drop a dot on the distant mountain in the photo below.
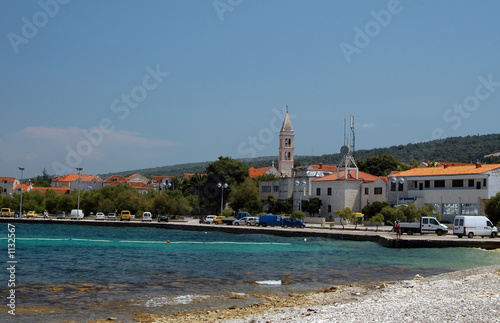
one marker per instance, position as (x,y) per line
(455,149)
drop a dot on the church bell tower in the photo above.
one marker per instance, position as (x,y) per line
(286,147)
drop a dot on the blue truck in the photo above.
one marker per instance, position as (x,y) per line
(270,219)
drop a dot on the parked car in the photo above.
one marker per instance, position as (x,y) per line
(5,212)
(146,216)
(99,216)
(292,222)
(31,214)
(270,219)
(248,220)
(76,214)
(125,215)
(61,215)
(163,217)
(111,216)
(218,219)
(469,225)
(209,219)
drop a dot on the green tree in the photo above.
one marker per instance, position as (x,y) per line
(345,214)
(43,181)
(492,209)
(378,218)
(373,209)
(391,214)
(298,215)
(382,165)
(244,195)
(312,206)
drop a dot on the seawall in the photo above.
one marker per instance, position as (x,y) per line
(387,239)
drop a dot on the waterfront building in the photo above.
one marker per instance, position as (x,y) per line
(453,190)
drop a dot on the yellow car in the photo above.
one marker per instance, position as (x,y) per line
(125,215)
(31,214)
(218,219)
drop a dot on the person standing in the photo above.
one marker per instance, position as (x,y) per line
(398,230)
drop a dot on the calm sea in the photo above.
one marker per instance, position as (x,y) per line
(80,273)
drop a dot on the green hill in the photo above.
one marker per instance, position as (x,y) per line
(467,149)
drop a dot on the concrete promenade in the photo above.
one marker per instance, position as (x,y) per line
(384,236)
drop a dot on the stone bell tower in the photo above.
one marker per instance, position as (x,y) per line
(286,147)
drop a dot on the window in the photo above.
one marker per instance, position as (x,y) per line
(439,183)
(329,208)
(484,182)
(266,189)
(427,184)
(457,183)
(318,191)
(366,191)
(329,192)
(276,188)
(393,187)
(378,191)
(469,209)
(450,208)
(471,183)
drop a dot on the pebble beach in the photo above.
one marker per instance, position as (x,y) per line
(471,295)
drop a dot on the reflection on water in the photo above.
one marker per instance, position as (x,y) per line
(83,272)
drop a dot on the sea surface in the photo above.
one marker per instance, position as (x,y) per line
(81,273)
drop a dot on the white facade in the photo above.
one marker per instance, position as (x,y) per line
(453,193)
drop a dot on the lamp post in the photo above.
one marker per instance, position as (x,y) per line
(78,187)
(303,186)
(222,187)
(21,201)
(397,182)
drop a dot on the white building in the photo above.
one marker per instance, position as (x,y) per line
(454,190)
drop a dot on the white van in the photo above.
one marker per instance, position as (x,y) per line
(76,214)
(470,225)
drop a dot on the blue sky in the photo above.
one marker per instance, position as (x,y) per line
(120,85)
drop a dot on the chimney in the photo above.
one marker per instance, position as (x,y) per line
(412,167)
(320,165)
(478,165)
(445,166)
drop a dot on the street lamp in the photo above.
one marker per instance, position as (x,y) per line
(397,182)
(222,187)
(79,169)
(21,202)
(303,185)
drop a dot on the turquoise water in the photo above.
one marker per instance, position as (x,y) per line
(83,272)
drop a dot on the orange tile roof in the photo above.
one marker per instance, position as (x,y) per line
(139,185)
(74,178)
(26,187)
(351,176)
(265,169)
(8,179)
(332,168)
(254,172)
(448,170)
(116,179)
(58,190)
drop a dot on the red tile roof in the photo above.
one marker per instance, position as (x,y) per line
(74,178)
(58,190)
(332,168)
(447,170)
(116,179)
(254,172)
(8,179)
(26,187)
(351,176)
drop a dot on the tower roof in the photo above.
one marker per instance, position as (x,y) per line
(287,124)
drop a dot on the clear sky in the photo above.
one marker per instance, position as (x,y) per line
(120,85)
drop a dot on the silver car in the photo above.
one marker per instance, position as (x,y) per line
(248,220)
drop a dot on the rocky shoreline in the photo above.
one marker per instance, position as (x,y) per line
(471,295)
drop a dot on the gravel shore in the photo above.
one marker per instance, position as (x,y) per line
(471,295)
